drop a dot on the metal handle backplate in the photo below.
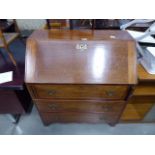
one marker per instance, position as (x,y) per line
(53,106)
(110,93)
(51,92)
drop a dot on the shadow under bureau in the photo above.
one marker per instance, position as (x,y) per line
(80,75)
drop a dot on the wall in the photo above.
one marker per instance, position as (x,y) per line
(31,24)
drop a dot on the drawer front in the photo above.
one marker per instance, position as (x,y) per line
(136,112)
(9,103)
(145,89)
(80,91)
(79,106)
(142,100)
(78,118)
(137,108)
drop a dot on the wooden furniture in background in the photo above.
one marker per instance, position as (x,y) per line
(8,26)
(143,97)
(69,24)
(80,76)
(56,24)
(6,38)
(115,24)
(14,97)
(82,24)
(102,24)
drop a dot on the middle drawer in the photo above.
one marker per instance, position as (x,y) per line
(80,91)
(79,106)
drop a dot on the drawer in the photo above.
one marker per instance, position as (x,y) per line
(9,103)
(79,106)
(78,118)
(137,108)
(136,112)
(79,91)
(142,100)
(145,89)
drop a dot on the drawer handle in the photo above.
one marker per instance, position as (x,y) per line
(51,92)
(101,118)
(56,118)
(110,93)
(53,106)
(106,108)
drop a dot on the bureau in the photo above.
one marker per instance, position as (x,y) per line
(80,76)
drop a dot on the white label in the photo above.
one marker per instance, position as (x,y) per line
(6,77)
(113,37)
(81,46)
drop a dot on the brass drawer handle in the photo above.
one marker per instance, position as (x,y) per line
(101,118)
(106,108)
(56,118)
(53,106)
(110,93)
(51,92)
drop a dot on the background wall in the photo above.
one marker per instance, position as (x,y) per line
(31,24)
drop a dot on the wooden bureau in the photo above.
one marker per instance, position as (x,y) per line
(80,76)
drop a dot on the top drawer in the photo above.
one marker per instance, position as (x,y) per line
(79,91)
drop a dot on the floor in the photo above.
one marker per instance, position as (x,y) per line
(31,124)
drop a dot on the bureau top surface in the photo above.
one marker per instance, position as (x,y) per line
(81,34)
(81,57)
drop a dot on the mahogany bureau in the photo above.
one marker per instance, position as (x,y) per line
(80,75)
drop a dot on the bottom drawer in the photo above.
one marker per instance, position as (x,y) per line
(135,112)
(9,103)
(48,118)
(137,108)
